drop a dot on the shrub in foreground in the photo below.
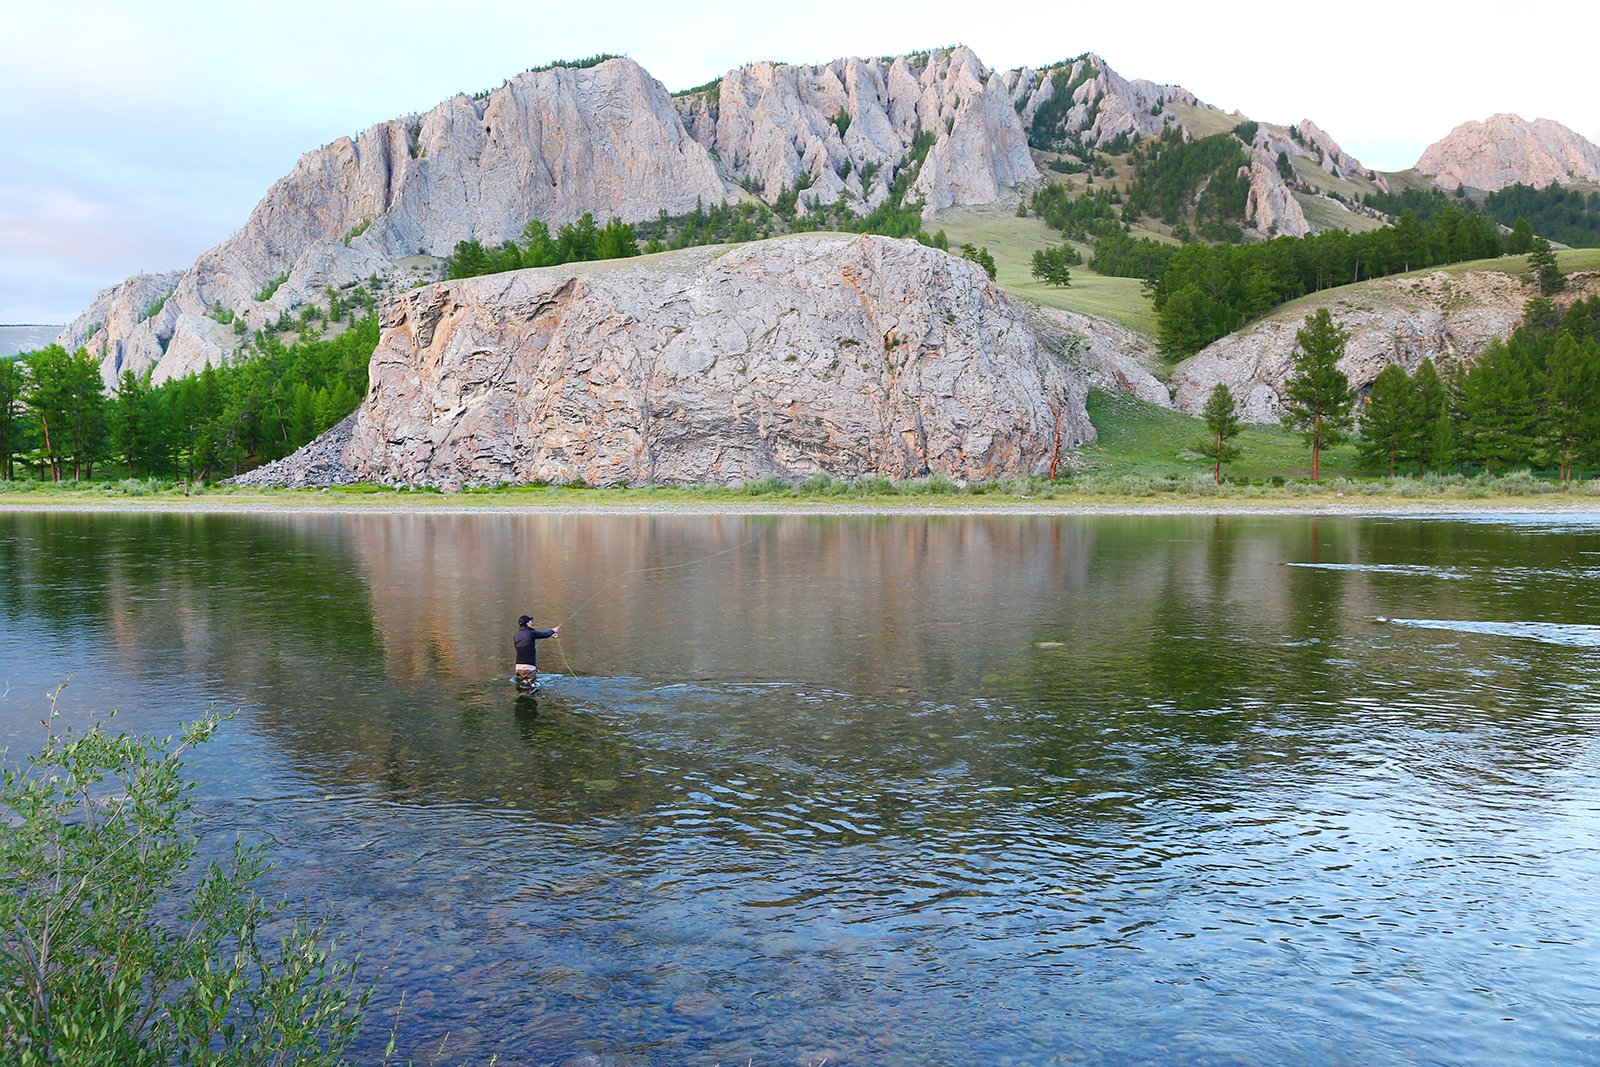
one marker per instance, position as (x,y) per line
(112,952)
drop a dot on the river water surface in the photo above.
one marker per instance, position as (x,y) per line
(883,790)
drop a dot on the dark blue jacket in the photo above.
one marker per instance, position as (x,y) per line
(524,639)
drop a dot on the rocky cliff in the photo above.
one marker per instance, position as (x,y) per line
(846,130)
(549,145)
(1508,149)
(1449,317)
(845,354)
(611,141)
(1099,107)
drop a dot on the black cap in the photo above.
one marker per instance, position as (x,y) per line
(524,620)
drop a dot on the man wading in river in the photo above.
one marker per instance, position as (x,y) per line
(527,662)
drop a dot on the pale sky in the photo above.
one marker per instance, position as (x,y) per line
(138,134)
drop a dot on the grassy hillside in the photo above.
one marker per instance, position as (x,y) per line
(1139,438)
(1012,242)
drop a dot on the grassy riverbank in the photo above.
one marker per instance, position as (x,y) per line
(1089,491)
(1142,461)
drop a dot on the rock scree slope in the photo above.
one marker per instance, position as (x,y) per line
(835,353)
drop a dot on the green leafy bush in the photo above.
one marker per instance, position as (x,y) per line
(272,287)
(110,953)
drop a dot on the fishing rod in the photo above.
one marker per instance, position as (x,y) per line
(565,664)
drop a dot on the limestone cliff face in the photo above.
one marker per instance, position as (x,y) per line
(838,353)
(1508,149)
(1333,159)
(1447,317)
(549,145)
(384,207)
(847,128)
(1103,104)
(116,312)
(1271,202)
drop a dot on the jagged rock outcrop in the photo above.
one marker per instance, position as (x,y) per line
(1271,203)
(1508,149)
(1447,317)
(1333,159)
(115,313)
(549,145)
(845,354)
(1279,208)
(1104,105)
(847,129)
(552,145)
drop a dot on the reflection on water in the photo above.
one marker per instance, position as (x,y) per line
(1554,633)
(953,790)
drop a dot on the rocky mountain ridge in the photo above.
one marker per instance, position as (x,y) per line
(382,208)
(610,140)
(1507,149)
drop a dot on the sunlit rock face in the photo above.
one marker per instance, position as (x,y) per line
(1508,149)
(549,145)
(843,354)
(846,130)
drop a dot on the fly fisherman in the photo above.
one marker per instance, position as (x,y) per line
(527,662)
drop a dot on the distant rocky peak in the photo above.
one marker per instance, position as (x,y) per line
(1508,149)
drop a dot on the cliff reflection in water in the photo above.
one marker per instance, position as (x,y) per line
(158,615)
(1157,616)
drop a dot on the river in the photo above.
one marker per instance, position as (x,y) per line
(882,790)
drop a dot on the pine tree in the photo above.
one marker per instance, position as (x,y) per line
(1410,240)
(1521,238)
(1388,420)
(1542,268)
(538,250)
(577,242)
(1499,408)
(1433,404)
(617,241)
(85,427)
(1317,393)
(46,398)
(1051,265)
(1222,425)
(129,419)
(469,261)
(980,256)
(11,386)
(1572,401)
(1442,440)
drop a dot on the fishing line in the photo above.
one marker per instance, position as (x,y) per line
(639,570)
